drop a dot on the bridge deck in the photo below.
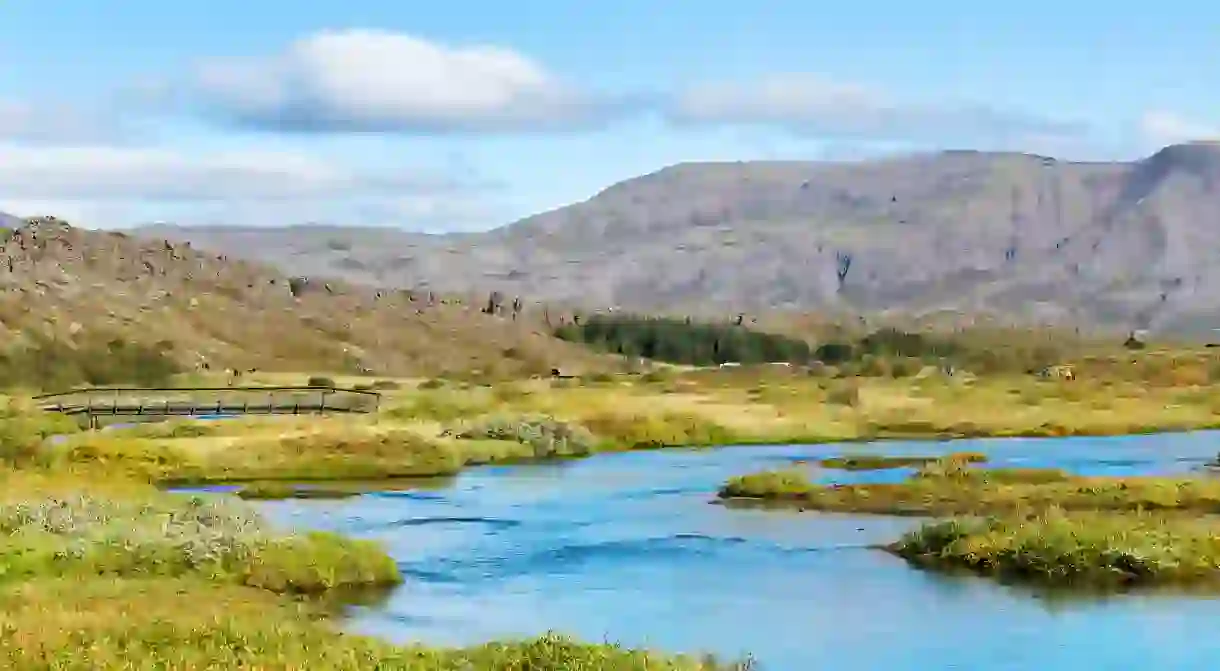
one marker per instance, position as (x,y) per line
(99,402)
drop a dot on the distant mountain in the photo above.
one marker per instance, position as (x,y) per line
(9,221)
(1120,244)
(74,283)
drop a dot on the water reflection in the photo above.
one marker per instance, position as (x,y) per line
(626,547)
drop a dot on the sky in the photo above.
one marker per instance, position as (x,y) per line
(465,115)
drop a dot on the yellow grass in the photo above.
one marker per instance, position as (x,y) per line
(416,433)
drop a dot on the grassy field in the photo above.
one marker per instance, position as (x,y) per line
(431,427)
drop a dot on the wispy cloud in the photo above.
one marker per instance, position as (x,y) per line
(54,122)
(118,186)
(813,105)
(1160,127)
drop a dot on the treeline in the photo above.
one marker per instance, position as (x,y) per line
(886,352)
(47,363)
(682,342)
(898,353)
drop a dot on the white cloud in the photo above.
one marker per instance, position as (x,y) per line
(378,81)
(1161,128)
(104,186)
(817,106)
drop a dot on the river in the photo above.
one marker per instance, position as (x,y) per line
(625,547)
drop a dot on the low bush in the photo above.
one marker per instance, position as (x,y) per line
(46,363)
(547,436)
(174,536)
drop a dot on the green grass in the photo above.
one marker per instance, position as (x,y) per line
(105,624)
(868,462)
(953,488)
(99,571)
(179,536)
(355,454)
(1069,549)
(270,491)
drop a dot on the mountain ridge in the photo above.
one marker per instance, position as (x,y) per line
(1121,244)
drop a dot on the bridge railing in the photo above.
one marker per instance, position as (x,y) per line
(230,399)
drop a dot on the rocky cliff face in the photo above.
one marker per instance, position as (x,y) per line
(72,283)
(1120,244)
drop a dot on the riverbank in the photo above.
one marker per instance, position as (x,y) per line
(431,428)
(649,563)
(428,429)
(113,574)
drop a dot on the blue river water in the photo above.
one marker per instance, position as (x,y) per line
(625,547)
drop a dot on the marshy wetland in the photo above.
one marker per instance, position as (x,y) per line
(504,510)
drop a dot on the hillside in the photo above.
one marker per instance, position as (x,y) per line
(1120,244)
(75,284)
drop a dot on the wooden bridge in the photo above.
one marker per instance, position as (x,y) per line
(142,404)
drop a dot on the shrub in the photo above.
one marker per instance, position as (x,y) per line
(386,385)
(547,436)
(24,430)
(171,536)
(47,363)
(846,393)
(318,381)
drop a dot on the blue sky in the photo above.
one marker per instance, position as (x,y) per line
(465,115)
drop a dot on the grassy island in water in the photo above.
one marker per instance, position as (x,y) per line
(1042,525)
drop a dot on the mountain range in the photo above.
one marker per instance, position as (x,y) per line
(1122,244)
